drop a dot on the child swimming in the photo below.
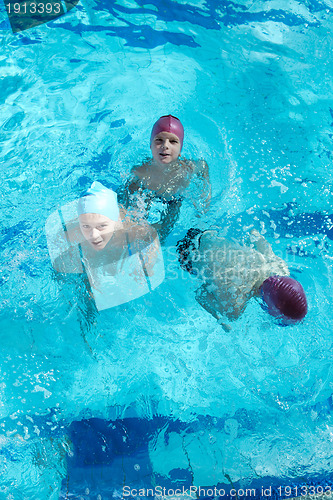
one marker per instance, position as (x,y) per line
(233,273)
(165,178)
(121,257)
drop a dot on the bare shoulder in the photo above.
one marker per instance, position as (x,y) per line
(140,171)
(139,230)
(68,262)
(140,175)
(134,182)
(144,231)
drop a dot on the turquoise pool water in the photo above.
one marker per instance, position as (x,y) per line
(251,82)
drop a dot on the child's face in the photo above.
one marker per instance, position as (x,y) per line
(97,229)
(165,148)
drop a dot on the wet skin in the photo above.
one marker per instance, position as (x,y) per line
(97,229)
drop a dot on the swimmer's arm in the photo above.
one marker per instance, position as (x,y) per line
(133,184)
(139,233)
(209,302)
(68,263)
(143,239)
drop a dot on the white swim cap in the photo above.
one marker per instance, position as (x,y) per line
(99,200)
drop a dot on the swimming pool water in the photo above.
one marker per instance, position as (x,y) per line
(251,81)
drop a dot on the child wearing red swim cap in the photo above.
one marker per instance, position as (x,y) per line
(232,273)
(165,178)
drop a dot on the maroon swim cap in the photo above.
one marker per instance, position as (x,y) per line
(170,124)
(284,296)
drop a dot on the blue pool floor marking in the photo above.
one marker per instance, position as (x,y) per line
(108,455)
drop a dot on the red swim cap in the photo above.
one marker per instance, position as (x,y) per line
(284,296)
(170,124)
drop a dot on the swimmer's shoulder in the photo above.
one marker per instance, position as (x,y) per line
(134,183)
(140,171)
(68,262)
(139,231)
